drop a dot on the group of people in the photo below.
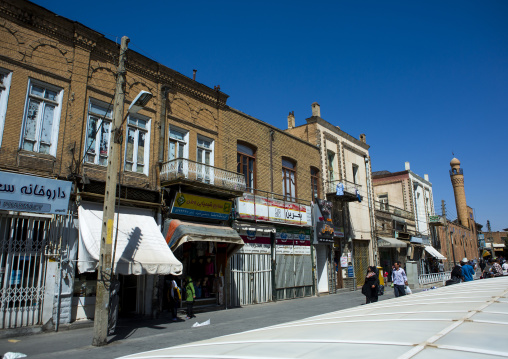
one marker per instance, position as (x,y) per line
(372,288)
(175,295)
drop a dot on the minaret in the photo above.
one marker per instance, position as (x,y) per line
(457,177)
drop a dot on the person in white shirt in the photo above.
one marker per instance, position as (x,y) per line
(505,268)
(399,280)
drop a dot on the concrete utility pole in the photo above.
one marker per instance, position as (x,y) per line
(448,246)
(100,331)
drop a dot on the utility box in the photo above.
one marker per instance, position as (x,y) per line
(412,274)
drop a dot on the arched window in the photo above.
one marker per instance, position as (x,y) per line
(289,179)
(314,183)
(246,164)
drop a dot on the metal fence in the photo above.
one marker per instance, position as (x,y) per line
(433,278)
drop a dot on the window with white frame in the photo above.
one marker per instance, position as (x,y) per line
(137,144)
(204,154)
(383,201)
(98,132)
(356,180)
(42,118)
(5,85)
(177,143)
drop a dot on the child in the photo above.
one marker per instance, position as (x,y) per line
(190,296)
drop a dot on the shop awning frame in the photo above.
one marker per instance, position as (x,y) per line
(388,242)
(179,232)
(140,246)
(434,252)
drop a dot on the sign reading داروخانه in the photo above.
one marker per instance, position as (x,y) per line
(25,193)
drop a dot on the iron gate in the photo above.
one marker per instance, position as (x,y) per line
(24,239)
(361,259)
(251,281)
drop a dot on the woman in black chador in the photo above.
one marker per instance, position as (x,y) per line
(371,287)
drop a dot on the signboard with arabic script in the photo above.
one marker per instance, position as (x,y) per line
(24,193)
(202,207)
(272,210)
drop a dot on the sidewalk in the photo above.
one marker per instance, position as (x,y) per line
(138,335)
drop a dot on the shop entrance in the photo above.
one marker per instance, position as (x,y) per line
(127,295)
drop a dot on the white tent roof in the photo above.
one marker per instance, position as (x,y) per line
(467,320)
(434,252)
(141,247)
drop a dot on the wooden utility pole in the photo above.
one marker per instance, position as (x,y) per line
(100,331)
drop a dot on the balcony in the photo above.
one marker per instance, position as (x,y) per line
(385,207)
(349,193)
(205,177)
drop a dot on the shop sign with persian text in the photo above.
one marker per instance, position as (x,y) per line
(265,209)
(24,193)
(202,207)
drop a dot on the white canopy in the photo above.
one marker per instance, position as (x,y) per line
(388,242)
(434,252)
(467,320)
(140,249)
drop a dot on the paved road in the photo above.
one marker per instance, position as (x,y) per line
(143,335)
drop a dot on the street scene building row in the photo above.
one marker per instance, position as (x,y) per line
(252,212)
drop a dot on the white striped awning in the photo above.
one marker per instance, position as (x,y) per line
(434,252)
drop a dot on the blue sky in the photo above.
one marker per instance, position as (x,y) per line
(421,79)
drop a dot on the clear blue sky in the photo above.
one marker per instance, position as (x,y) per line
(420,78)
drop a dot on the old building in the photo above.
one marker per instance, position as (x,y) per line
(345,174)
(205,175)
(404,203)
(458,237)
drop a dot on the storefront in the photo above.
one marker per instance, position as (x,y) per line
(200,238)
(139,253)
(34,234)
(251,266)
(277,255)
(324,245)
(390,251)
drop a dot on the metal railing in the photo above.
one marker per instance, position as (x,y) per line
(433,278)
(385,207)
(182,168)
(349,187)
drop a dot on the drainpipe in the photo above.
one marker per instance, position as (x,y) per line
(271,160)
(162,135)
(371,212)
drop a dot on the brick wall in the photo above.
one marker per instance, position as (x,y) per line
(241,127)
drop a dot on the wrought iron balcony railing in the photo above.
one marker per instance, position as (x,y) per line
(182,169)
(349,187)
(385,207)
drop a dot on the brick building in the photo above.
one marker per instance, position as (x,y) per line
(458,238)
(180,169)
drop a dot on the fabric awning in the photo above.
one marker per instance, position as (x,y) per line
(434,253)
(388,242)
(140,248)
(178,232)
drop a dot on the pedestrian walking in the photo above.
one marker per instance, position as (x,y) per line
(371,287)
(174,298)
(399,280)
(190,294)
